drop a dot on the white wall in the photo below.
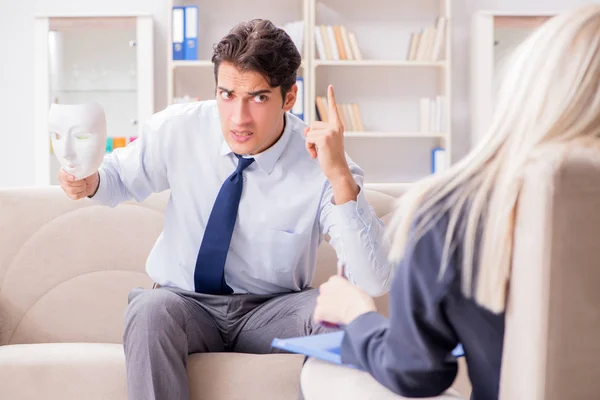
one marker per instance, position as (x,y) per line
(16,66)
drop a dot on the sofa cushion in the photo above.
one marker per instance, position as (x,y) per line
(323,380)
(63,371)
(225,376)
(74,371)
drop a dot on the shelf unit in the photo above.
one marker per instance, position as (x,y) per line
(494,35)
(378,63)
(385,85)
(413,135)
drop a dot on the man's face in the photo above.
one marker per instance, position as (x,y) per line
(251,111)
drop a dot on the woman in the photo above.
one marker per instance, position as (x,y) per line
(442,294)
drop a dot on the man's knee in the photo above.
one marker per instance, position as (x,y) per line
(305,307)
(151,312)
(309,301)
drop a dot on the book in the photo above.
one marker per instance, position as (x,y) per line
(438,160)
(438,43)
(325,346)
(339,42)
(295,30)
(414,44)
(190,50)
(328,49)
(350,117)
(346,41)
(298,108)
(359,122)
(178,32)
(425,45)
(335,53)
(354,44)
(323,108)
(320,44)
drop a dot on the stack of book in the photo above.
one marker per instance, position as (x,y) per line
(349,113)
(432,114)
(428,45)
(336,43)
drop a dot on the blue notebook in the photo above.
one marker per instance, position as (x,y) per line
(325,346)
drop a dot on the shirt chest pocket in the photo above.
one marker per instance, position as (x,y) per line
(281,249)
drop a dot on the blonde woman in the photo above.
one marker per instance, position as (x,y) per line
(452,233)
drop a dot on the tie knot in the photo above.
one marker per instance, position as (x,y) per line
(243,163)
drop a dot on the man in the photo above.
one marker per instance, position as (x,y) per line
(252,193)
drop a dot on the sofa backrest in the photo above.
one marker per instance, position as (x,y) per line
(551,344)
(66,266)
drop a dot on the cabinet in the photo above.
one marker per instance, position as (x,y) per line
(106,59)
(494,35)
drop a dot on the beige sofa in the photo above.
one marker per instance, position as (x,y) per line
(65,270)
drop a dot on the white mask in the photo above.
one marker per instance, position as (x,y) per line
(78,133)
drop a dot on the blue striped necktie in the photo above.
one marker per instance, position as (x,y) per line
(209,275)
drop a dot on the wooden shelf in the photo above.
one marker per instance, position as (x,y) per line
(187,63)
(200,63)
(409,135)
(378,63)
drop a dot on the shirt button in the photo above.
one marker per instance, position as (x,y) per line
(230,248)
(244,178)
(361,211)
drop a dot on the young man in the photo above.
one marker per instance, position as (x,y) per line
(252,193)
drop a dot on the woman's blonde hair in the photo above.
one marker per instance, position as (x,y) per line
(549,95)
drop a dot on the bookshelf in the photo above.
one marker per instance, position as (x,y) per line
(393,149)
(494,35)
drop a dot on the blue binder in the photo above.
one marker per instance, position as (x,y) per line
(438,160)
(298,109)
(178,32)
(325,346)
(190,49)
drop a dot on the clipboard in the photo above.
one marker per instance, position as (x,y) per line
(326,346)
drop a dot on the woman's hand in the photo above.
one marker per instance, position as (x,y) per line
(341,302)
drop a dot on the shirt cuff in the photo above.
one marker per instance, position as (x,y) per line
(353,214)
(102,195)
(356,333)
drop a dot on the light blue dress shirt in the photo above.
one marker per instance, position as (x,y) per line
(287,205)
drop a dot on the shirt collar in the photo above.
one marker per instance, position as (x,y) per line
(268,158)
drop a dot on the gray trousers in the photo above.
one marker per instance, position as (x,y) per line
(163,326)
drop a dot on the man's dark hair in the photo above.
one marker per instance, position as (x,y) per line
(258,45)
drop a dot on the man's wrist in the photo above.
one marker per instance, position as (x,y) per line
(344,187)
(97,185)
